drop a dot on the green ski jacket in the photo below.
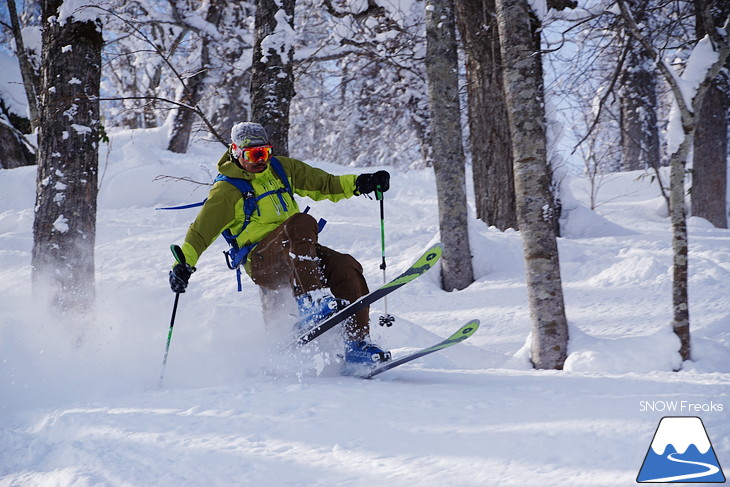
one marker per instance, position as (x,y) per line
(224,207)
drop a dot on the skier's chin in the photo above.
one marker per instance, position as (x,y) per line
(257,168)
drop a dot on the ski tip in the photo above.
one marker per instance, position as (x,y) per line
(437,247)
(467,330)
(433,254)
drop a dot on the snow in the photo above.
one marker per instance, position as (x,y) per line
(79,11)
(81,129)
(281,40)
(699,63)
(11,86)
(81,404)
(61,224)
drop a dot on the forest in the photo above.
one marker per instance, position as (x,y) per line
(521,92)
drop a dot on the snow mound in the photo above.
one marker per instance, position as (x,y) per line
(658,351)
(580,222)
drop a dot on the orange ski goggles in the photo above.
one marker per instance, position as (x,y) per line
(260,153)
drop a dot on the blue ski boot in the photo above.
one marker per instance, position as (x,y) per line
(314,307)
(360,356)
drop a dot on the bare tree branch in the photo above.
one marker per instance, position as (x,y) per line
(604,98)
(164,177)
(158,50)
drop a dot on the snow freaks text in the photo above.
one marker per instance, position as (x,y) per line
(682,407)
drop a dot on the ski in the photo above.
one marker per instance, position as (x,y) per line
(462,334)
(423,264)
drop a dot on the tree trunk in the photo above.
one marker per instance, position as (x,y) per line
(638,105)
(535,213)
(232,96)
(639,128)
(13,150)
(709,176)
(709,168)
(64,228)
(27,71)
(182,126)
(272,77)
(680,247)
(491,151)
(233,108)
(447,148)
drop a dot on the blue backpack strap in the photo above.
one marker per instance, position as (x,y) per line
(320,224)
(246,189)
(279,170)
(235,255)
(184,207)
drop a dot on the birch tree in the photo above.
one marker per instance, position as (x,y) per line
(64,227)
(688,88)
(447,150)
(523,85)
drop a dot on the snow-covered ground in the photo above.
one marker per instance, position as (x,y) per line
(80,403)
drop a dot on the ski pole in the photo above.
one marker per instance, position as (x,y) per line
(385,319)
(180,258)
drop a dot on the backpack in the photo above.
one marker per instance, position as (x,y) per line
(236,254)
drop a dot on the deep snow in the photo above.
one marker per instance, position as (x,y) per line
(80,403)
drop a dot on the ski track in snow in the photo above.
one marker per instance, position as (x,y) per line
(80,407)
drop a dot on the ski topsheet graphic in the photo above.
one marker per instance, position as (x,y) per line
(681,452)
(461,334)
(423,264)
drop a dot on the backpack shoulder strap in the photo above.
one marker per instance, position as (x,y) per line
(279,170)
(249,196)
(243,185)
(236,255)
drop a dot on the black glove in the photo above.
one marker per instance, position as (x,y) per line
(367,183)
(179,277)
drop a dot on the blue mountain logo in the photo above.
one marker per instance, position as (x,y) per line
(681,452)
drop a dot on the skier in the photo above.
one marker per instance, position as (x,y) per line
(280,241)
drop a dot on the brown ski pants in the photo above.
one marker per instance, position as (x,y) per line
(291,256)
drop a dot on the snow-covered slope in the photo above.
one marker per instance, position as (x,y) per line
(79,398)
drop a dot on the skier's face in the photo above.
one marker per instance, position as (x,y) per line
(254,167)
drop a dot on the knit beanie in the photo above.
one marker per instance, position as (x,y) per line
(249,134)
